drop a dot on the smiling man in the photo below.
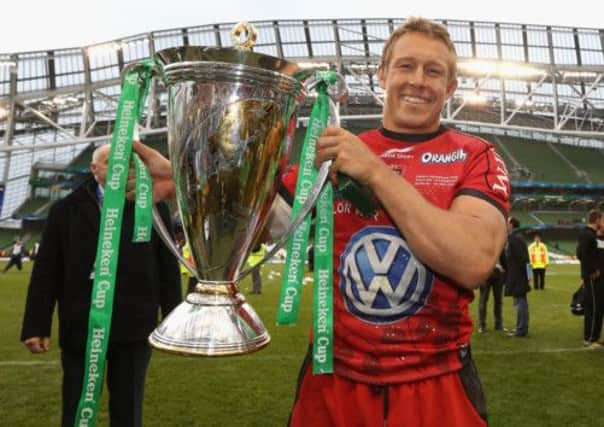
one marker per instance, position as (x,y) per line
(405,276)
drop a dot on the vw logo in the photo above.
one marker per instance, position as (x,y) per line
(381,281)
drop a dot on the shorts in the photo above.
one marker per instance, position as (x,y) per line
(454,399)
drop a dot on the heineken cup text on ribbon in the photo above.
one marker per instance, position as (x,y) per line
(134,88)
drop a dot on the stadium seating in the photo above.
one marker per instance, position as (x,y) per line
(543,163)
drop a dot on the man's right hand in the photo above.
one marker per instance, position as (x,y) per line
(37,344)
(160,170)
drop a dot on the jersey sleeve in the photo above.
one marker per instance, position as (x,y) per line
(487,178)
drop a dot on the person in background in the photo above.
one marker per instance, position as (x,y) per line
(186,254)
(34,251)
(600,237)
(310,257)
(591,275)
(600,290)
(493,284)
(147,280)
(258,253)
(539,261)
(516,278)
(16,255)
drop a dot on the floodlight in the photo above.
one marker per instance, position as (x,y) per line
(474,98)
(501,69)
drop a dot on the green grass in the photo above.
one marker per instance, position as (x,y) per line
(544,380)
(552,217)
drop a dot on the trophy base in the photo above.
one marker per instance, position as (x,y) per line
(214,320)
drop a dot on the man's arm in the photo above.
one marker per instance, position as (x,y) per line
(462,243)
(520,249)
(46,278)
(587,252)
(473,230)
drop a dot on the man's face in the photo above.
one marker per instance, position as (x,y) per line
(417,84)
(99,165)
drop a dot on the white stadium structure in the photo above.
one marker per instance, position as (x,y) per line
(539,83)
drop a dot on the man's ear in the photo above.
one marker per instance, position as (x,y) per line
(381,74)
(451,88)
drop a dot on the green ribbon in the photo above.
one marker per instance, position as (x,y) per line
(143,207)
(291,284)
(323,285)
(134,89)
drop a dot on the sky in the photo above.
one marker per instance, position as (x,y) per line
(29,26)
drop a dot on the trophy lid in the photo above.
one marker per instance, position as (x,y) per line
(213,64)
(235,64)
(244,37)
(192,54)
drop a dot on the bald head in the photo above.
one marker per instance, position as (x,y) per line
(98,164)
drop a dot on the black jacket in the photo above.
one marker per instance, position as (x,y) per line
(147,275)
(517,259)
(600,242)
(587,251)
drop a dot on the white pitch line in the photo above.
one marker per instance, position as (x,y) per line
(28,362)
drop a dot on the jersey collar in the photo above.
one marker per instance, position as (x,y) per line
(412,137)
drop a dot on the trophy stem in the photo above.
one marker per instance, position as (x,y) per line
(214,320)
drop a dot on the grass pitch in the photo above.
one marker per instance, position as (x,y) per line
(547,379)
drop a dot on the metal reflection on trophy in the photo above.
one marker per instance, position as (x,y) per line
(228,115)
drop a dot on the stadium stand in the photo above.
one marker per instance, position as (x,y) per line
(536,92)
(542,163)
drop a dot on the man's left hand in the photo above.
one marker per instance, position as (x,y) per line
(350,155)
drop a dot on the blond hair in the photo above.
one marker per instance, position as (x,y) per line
(423,26)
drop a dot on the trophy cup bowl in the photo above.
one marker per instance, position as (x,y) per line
(229,111)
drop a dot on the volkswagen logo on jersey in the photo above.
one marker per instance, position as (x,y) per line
(381,281)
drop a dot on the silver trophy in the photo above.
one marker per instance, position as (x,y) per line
(229,112)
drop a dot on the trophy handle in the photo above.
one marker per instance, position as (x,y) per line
(164,235)
(313,196)
(308,206)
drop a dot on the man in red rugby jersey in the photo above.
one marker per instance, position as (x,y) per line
(404,278)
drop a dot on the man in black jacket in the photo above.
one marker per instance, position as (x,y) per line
(587,253)
(517,281)
(147,278)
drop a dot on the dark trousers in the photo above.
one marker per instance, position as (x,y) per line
(539,278)
(191,283)
(522,315)
(14,260)
(126,368)
(496,286)
(256,281)
(594,309)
